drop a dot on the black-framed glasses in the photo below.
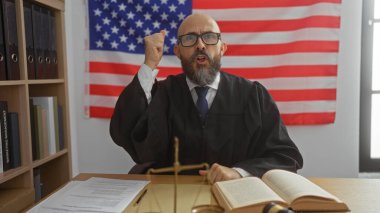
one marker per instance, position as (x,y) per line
(188,40)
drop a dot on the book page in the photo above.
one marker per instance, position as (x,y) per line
(291,186)
(247,191)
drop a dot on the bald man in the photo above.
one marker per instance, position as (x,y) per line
(221,119)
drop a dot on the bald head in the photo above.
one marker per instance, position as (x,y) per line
(198,23)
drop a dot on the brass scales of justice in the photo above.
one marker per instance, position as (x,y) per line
(176,168)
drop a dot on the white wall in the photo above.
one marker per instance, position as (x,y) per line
(328,150)
(92,147)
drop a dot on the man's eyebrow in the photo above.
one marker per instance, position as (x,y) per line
(190,33)
(209,31)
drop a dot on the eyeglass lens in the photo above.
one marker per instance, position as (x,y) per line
(209,38)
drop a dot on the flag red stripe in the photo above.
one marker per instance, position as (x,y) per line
(277,49)
(113,68)
(280,25)
(108,90)
(250,73)
(303,95)
(226,4)
(308,118)
(100,112)
(284,71)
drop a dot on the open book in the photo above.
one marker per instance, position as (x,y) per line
(288,189)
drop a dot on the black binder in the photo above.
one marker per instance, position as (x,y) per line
(53,46)
(3,72)
(29,40)
(45,42)
(11,39)
(38,40)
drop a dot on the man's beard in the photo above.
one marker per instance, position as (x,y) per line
(201,75)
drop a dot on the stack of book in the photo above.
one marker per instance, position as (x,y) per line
(47,126)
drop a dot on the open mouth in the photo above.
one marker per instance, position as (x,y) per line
(201,59)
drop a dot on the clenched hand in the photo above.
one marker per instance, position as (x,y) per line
(154,47)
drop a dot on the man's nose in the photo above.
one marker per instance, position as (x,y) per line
(200,45)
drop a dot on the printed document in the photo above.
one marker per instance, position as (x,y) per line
(93,195)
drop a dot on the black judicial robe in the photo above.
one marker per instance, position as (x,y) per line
(242,129)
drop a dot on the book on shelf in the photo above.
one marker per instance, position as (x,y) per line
(56,123)
(37,184)
(1,144)
(61,128)
(33,130)
(4,139)
(39,132)
(288,189)
(14,139)
(46,143)
(9,139)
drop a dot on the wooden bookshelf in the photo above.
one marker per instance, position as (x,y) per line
(16,185)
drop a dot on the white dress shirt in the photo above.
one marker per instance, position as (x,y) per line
(147,78)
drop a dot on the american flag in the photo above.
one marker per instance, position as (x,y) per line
(290,46)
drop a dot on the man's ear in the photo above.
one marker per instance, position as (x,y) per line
(176,50)
(223,48)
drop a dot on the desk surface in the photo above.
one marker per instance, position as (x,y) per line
(361,195)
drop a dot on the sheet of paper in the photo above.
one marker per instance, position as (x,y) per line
(93,195)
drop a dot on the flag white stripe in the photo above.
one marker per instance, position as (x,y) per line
(299,83)
(285,13)
(270,83)
(103,101)
(306,106)
(309,34)
(227,61)
(284,107)
(280,60)
(129,58)
(110,79)
(288,83)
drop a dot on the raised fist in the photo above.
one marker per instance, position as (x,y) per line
(154,47)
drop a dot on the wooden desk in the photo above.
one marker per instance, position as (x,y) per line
(361,195)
